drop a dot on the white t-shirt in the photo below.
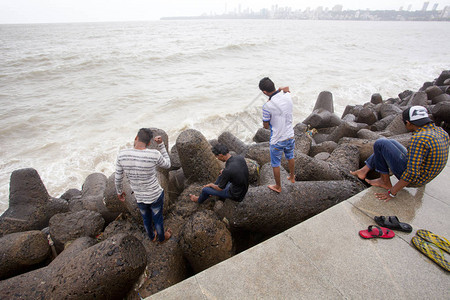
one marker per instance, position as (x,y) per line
(278,112)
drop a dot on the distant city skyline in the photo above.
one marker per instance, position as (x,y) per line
(68,11)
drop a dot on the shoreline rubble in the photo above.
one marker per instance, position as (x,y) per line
(102,248)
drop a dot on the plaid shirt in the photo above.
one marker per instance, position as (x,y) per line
(427,155)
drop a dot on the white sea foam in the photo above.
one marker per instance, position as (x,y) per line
(72,95)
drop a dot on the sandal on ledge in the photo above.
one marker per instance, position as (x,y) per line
(374,231)
(393,222)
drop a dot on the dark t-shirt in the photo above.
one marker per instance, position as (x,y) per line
(236,172)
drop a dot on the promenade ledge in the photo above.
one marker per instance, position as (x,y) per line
(325,258)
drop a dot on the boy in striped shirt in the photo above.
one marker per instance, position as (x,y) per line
(139,165)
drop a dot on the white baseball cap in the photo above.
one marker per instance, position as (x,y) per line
(417,115)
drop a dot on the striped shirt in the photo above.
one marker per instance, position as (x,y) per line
(140,168)
(427,154)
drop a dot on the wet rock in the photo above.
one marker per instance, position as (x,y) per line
(365,147)
(441,112)
(433,91)
(175,163)
(67,227)
(346,129)
(205,241)
(383,123)
(349,118)
(441,98)
(259,153)
(110,198)
(198,162)
(268,212)
(348,110)
(166,265)
(262,135)
(303,139)
(426,85)
(30,205)
(122,259)
(185,207)
(418,98)
(310,169)
(253,170)
(367,116)
(345,156)
(376,99)
(266,176)
(327,146)
(176,184)
(21,251)
(71,194)
(446,87)
(389,109)
(233,143)
(72,249)
(164,137)
(322,156)
(405,95)
(442,77)
(92,195)
(112,202)
(368,134)
(323,114)
(397,126)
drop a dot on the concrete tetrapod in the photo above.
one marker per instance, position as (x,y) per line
(122,259)
(268,212)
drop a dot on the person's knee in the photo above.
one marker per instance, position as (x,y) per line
(380,143)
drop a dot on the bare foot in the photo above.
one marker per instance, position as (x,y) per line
(156,236)
(275,188)
(291,179)
(360,173)
(167,235)
(379,183)
(193,198)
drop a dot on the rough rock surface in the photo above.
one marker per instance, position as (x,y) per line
(259,152)
(233,143)
(68,227)
(122,259)
(20,251)
(205,241)
(262,135)
(323,113)
(269,212)
(310,169)
(30,205)
(346,157)
(92,195)
(198,162)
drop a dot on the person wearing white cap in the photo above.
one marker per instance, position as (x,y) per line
(425,159)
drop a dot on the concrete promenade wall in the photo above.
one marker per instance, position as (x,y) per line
(324,257)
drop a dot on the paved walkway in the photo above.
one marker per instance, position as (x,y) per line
(324,257)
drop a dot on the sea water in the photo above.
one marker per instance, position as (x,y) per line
(73,95)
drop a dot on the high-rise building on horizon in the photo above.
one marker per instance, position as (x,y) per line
(425,6)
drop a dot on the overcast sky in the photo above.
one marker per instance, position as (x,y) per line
(51,11)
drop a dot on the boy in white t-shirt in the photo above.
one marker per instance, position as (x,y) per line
(277,116)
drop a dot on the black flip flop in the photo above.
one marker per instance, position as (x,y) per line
(392,222)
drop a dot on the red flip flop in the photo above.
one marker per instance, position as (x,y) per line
(376,232)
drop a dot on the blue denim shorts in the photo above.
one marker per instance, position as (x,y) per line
(277,150)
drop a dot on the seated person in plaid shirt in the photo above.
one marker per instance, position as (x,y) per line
(426,158)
